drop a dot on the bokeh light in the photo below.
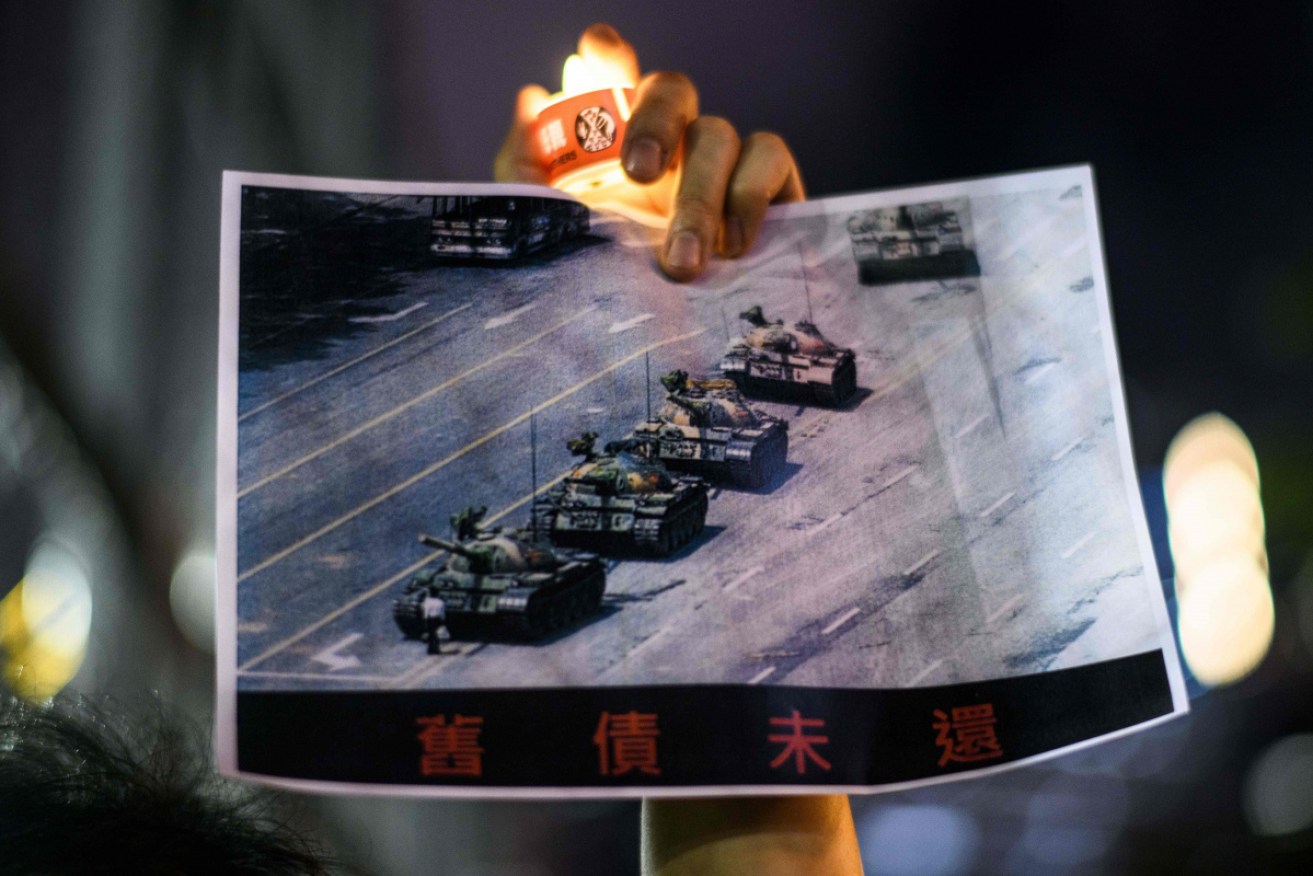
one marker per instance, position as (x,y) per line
(921,839)
(191,598)
(1216,527)
(1226,620)
(45,622)
(1278,794)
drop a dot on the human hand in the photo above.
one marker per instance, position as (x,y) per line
(764,836)
(711,185)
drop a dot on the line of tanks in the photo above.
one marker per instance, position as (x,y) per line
(645,495)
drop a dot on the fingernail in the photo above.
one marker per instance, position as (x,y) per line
(731,242)
(644,159)
(685,251)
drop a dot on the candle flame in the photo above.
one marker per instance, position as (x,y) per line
(584,74)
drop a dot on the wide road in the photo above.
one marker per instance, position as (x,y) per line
(966,516)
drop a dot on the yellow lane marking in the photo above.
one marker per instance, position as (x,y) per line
(356,361)
(452,457)
(384,585)
(424,396)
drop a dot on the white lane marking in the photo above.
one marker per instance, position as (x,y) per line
(426,394)
(1040,372)
(1034,232)
(649,640)
(332,656)
(1073,248)
(733,585)
(389,317)
(356,361)
(924,672)
(1002,609)
(1068,449)
(825,524)
(457,454)
(624,326)
(912,569)
(841,620)
(508,317)
(1086,539)
(973,424)
(762,676)
(312,676)
(898,477)
(997,505)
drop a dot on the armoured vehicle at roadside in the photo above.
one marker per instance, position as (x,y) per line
(772,359)
(502,228)
(706,428)
(501,580)
(622,500)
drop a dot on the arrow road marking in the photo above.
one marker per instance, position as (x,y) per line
(618,327)
(508,317)
(333,659)
(390,317)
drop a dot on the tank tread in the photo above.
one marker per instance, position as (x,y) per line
(762,463)
(547,612)
(409,615)
(842,386)
(662,536)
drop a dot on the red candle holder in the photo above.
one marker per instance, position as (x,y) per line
(579,139)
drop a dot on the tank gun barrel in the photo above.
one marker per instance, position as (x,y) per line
(442,544)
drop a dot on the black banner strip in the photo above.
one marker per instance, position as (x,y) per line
(685,735)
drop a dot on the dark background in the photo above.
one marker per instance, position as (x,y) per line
(1198,120)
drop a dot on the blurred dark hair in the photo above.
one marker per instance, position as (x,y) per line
(91,787)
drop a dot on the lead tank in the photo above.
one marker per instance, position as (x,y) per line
(622,500)
(772,359)
(706,428)
(502,580)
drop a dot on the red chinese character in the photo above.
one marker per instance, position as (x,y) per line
(798,743)
(450,748)
(627,742)
(968,735)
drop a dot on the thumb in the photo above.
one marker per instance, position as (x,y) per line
(518,159)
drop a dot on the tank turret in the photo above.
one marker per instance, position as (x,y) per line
(775,360)
(501,579)
(706,428)
(622,500)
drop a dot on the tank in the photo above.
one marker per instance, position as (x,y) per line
(772,359)
(706,428)
(914,242)
(623,500)
(502,580)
